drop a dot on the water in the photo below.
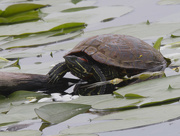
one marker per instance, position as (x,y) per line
(143,10)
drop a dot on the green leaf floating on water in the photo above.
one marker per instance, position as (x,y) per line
(21,17)
(108,19)
(146,75)
(14,109)
(15,64)
(3,59)
(78,9)
(152,92)
(20,113)
(18,13)
(117,95)
(174,36)
(22,133)
(59,112)
(66,31)
(75,1)
(19,8)
(133,96)
(1,12)
(158,43)
(53,35)
(19,97)
(127,119)
(77,135)
(68,26)
(61,28)
(147,22)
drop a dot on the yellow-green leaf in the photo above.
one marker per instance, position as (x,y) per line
(133,96)
(4,59)
(68,26)
(19,8)
(158,43)
(78,9)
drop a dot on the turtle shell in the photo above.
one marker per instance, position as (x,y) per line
(121,51)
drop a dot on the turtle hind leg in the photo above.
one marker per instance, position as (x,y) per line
(57,72)
(80,90)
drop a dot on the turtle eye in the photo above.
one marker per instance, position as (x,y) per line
(83,59)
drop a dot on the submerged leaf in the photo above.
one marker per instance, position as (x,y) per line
(59,112)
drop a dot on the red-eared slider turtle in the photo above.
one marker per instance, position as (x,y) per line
(106,57)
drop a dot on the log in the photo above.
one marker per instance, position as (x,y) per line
(10,82)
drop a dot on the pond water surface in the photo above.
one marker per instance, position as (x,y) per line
(141,11)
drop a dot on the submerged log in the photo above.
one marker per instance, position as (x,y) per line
(10,82)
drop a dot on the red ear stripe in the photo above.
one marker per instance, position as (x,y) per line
(84,59)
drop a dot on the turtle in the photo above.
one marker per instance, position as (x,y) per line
(105,57)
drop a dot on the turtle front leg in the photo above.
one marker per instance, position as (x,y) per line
(98,77)
(57,72)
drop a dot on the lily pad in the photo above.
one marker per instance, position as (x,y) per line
(56,113)
(18,98)
(22,133)
(147,93)
(168,2)
(128,119)
(20,113)
(141,30)
(76,135)
(45,37)
(78,9)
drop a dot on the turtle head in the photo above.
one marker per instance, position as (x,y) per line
(78,66)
